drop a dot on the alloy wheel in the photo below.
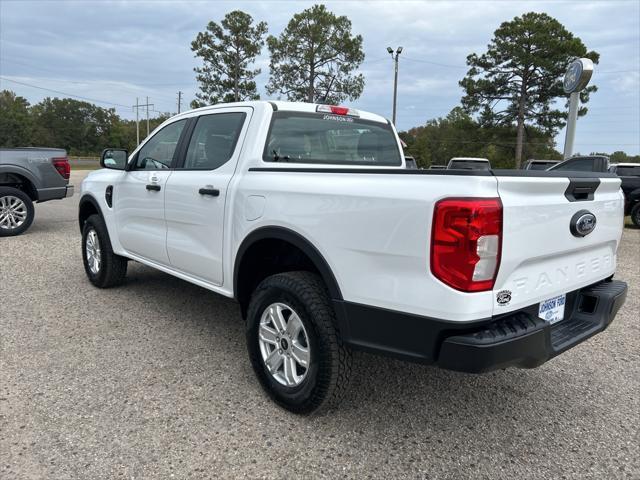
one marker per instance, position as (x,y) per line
(284,344)
(94,254)
(13,212)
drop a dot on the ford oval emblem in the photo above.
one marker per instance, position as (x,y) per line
(582,223)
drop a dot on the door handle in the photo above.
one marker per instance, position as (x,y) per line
(155,188)
(214,192)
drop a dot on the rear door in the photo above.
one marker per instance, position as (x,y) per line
(196,193)
(542,254)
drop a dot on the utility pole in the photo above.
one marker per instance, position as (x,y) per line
(137,124)
(395,79)
(147,105)
(179,100)
(137,106)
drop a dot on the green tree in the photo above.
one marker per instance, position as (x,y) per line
(226,51)
(518,78)
(459,135)
(77,126)
(15,121)
(314,58)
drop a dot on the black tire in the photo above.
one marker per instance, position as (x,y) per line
(635,214)
(113,268)
(329,367)
(30,211)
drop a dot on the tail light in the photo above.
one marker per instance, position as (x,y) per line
(61,164)
(466,242)
(336,110)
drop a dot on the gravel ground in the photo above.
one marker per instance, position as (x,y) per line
(152,380)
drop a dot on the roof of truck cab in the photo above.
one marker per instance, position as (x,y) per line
(286,106)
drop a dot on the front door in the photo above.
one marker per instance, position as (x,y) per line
(196,193)
(140,194)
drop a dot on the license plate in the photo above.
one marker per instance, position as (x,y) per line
(552,309)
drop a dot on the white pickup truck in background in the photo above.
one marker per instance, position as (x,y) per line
(307,216)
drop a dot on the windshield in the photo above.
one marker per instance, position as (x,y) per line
(330,139)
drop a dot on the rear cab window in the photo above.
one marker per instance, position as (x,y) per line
(326,138)
(470,165)
(578,165)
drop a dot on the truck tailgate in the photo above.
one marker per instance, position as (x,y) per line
(541,257)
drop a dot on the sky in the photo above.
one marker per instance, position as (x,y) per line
(111,52)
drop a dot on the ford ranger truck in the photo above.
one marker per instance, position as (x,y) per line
(306,215)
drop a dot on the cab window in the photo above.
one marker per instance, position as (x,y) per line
(330,139)
(214,140)
(578,165)
(157,153)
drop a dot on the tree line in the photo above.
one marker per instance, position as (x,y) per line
(507,112)
(79,127)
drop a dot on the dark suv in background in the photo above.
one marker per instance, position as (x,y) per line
(629,174)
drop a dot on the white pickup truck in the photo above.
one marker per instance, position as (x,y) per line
(307,216)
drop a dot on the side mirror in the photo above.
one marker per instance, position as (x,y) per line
(114,158)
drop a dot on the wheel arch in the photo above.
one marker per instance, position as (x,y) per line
(87,206)
(246,276)
(634,195)
(13,176)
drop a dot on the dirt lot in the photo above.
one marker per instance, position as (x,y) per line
(152,380)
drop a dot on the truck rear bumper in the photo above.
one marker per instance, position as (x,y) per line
(54,193)
(523,340)
(518,339)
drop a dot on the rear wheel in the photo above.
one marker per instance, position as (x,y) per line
(294,345)
(635,215)
(16,212)
(103,267)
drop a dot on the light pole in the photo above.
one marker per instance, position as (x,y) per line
(395,79)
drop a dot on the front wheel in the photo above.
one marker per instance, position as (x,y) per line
(294,345)
(103,267)
(16,212)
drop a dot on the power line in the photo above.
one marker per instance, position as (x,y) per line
(74,95)
(49,70)
(449,65)
(118,86)
(445,65)
(64,93)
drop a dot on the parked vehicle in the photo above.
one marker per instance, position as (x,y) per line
(539,164)
(306,215)
(629,174)
(410,162)
(469,163)
(583,163)
(625,169)
(30,175)
(438,167)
